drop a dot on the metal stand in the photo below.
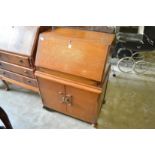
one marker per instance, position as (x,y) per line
(113,71)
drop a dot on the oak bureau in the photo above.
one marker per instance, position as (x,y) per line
(72,71)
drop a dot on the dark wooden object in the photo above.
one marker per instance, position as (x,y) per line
(5,119)
(72,71)
(6,85)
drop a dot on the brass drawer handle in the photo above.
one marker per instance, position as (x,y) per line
(21,61)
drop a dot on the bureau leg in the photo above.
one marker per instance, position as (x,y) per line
(6,85)
(48,109)
(104,101)
(94,125)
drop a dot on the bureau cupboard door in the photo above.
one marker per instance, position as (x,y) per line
(52,94)
(82,104)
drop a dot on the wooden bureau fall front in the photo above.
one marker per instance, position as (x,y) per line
(72,71)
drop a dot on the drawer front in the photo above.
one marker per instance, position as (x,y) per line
(17,69)
(19,78)
(15,59)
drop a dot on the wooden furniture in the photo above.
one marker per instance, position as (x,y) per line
(5,119)
(72,71)
(5,84)
(17,55)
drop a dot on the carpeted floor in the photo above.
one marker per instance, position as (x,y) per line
(130,103)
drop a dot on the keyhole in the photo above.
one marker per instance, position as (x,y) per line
(70,44)
(67,100)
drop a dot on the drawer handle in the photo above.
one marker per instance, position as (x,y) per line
(4,73)
(21,61)
(29,81)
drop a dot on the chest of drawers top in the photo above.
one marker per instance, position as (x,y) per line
(18,40)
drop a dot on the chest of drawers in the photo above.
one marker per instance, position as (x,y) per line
(17,55)
(72,71)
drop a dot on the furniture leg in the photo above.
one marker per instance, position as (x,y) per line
(5,119)
(48,109)
(94,124)
(6,85)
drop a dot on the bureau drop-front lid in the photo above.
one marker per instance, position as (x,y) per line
(76,52)
(18,39)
